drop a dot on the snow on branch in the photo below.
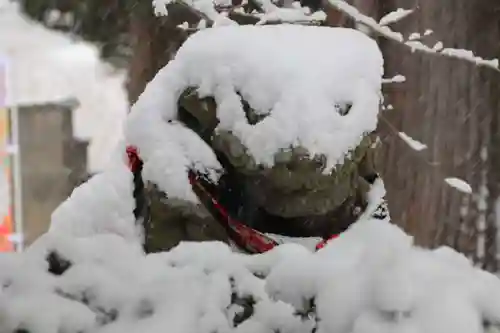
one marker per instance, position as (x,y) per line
(418,35)
(205,10)
(395,79)
(415,36)
(356,15)
(414,45)
(222,12)
(395,16)
(418,146)
(218,13)
(414,144)
(453,53)
(459,184)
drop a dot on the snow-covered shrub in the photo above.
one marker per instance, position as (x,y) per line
(82,277)
(371,279)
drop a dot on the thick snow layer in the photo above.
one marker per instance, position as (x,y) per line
(107,202)
(294,74)
(370,279)
(48,66)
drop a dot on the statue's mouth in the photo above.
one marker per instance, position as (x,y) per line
(265,234)
(251,209)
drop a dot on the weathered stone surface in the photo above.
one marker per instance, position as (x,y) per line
(296,187)
(174,221)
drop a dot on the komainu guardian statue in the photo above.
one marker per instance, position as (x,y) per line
(257,135)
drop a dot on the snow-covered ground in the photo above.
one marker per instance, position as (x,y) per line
(371,279)
(47,66)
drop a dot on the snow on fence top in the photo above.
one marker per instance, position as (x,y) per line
(296,75)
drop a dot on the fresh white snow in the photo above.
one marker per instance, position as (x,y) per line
(414,45)
(279,14)
(110,211)
(414,144)
(459,184)
(395,16)
(438,46)
(415,36)
(293,74)
(270,11)
(395,79)
(462,54)
(49,66)
(469,55)
(370,279)
(376,197)
(367,21)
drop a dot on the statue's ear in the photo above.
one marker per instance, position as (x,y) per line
(252,116)
(198,114)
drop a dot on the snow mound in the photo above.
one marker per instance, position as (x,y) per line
(371,279)
(296,75)
(103,205)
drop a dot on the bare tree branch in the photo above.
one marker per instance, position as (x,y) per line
(390,34)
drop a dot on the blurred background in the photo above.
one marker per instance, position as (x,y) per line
(69,70)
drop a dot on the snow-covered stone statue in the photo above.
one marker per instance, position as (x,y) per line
(269,125)
(242,118)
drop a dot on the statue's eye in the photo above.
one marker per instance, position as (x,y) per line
(343,108)
(252,116)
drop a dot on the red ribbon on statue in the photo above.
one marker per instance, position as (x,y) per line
(251,240)
(322,244)
(133,158)
(244,236)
